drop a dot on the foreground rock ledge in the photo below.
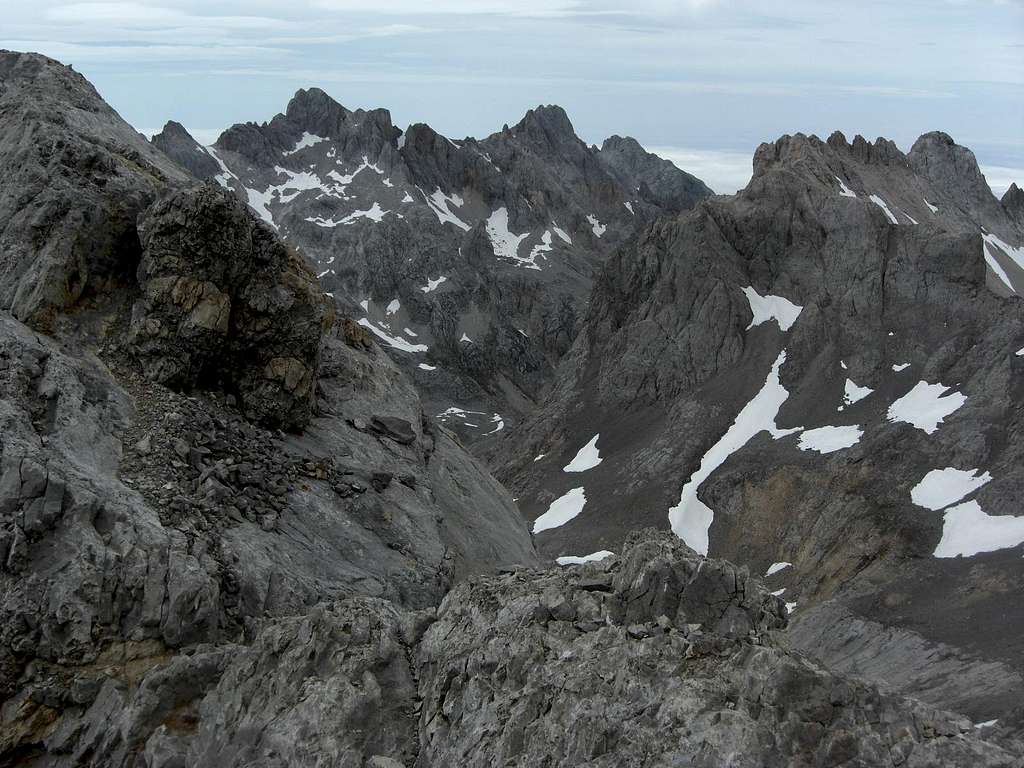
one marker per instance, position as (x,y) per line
(658,657)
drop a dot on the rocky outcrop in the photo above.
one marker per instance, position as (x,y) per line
(721,351)
(178,144)
(225,302)
(75,178)
(655,179)
(658,657)
(1013,204)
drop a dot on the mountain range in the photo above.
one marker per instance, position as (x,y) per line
(337,444)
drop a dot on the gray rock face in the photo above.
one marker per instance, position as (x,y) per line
(656,658)
(178,144)
(469,261)
(654,179)
(223,300)
(75,178)
(1013,204)
(144,531)
(679,341)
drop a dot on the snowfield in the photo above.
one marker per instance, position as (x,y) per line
(586,458)
(562,510)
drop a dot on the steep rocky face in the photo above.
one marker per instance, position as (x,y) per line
(178,144)
(1013,204)
(223,300)
(822,372)
(470,261)
(659,657)
(144,530)
(655,179)
(75,178)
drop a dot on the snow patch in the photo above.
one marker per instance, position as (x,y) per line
(541,248)
(504,243)
(596,226)
(765,308)
(438,202)
(561,233)
(307,140)
(925,406)
(580,560)
(432,284)
(562,510)
(691,518)
(1016,254)
(259,202)
(374,213)
(844,190)
(967,530)
(776,567)
(393,306)
(881,204)
(900,366)
(854,394)
(829,439)
(395,342)
(629,207)
(225,172)
(425,367)
(586,458)
(942,487)
(931,207)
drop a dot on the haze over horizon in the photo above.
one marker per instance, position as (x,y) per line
(702,82)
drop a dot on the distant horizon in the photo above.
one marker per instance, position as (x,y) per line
(708,79)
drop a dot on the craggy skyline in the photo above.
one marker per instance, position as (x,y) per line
(702,82)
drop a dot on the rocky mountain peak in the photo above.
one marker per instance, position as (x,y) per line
(827,157)
(653,178)
(178,144)
(622,144)
(547,124)
(313,105)
(936,156)
(33,71)
(65,150)
(1013,202)
(173,130)
(954,170)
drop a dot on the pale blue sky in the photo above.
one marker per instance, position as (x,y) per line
(702,80)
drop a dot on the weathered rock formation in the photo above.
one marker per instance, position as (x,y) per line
(225,301)
(75,177)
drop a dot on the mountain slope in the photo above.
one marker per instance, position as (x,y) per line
(148,504)
(470,261)
(75,178)
(774,374)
